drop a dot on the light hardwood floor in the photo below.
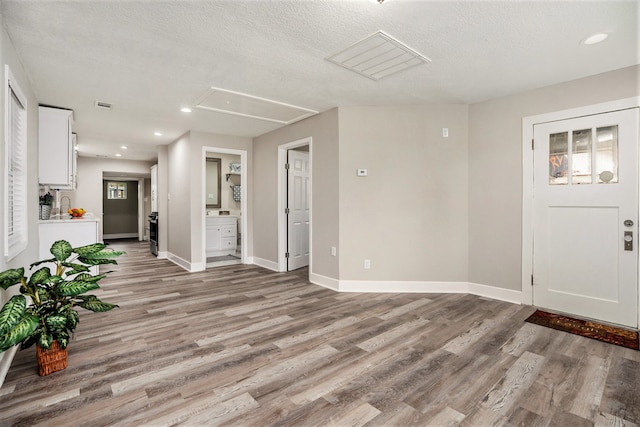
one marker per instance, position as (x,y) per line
(244,346)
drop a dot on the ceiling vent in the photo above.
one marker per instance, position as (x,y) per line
(103,105)
(244,105)
(378,56)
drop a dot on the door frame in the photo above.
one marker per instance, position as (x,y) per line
(282,201)
(527,177)
(243,199)
(140,192)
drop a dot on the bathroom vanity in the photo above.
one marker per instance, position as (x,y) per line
(222,235)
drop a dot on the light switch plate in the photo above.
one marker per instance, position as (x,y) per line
(362,172)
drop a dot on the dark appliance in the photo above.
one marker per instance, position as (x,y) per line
(153,233)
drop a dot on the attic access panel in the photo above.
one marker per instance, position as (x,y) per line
(378,56)
(244,105)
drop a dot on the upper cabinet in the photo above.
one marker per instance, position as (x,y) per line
(56,148)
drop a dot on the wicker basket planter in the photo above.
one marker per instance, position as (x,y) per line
(51,360)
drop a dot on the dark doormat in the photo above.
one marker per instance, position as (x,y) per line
(585,328)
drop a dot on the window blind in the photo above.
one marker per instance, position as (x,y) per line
(16,170)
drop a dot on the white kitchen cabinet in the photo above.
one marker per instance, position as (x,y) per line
(222,235)
(56,154)
(78,232)
(154,188)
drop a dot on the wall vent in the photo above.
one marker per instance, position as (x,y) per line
(103,105)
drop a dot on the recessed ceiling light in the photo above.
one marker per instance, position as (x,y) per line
(157,133)
(185,109)
(124,147)
(596,38)
(118,155)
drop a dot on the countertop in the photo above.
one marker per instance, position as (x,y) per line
(67,218)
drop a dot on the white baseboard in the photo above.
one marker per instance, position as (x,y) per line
(120,236)
(324,281)
(163,254)
(493,292)
(364,286)
(403,287)
(179,261)
(270,265)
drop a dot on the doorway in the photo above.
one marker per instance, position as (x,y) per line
(224,202)
(121,208)
(584,217)
(295,202)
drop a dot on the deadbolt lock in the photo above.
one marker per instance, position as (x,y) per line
(628,223)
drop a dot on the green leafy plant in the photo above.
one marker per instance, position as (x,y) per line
(46,199)
(54,294)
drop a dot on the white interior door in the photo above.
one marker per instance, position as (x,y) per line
(585,207)
(298,178)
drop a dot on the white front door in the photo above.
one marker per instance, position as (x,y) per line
(299,175)
(585,256)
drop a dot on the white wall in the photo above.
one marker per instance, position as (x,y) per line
(495,167)
(30,254)
(88,195)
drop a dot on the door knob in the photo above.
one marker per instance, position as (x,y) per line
(628,240)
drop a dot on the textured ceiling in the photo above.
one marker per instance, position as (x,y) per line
(149,58)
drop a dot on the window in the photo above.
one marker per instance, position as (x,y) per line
(15,190)
(116,190)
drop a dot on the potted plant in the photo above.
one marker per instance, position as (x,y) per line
(46,201)
(45,312)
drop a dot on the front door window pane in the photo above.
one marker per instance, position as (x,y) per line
(607,154)
(581,157)
(558,156)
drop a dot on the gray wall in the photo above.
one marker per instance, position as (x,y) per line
(185,190)
(495,167)
(409,216)
(323,128)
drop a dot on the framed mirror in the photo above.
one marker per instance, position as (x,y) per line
(212,195)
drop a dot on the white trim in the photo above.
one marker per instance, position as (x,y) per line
(282,200)
(423,287)
(527,176)
(324,281)
(179,261)
(141,214)
(163,255)
(496,293)
(243,199)
(404,286)
(269,265)
(120,236)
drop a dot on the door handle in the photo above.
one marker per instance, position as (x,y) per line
(628,240)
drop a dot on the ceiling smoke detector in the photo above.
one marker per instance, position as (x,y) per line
(103,105)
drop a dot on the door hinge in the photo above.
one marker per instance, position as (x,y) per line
(532,280)
(286,211)
(286,166)
(533,144)
(286,255)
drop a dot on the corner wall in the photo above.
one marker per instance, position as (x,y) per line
(323,129)
(495,168)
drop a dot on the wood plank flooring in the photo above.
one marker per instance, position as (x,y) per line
(243,346)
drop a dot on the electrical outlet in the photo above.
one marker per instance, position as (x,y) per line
(367,264)
(334,251)
(445,132)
